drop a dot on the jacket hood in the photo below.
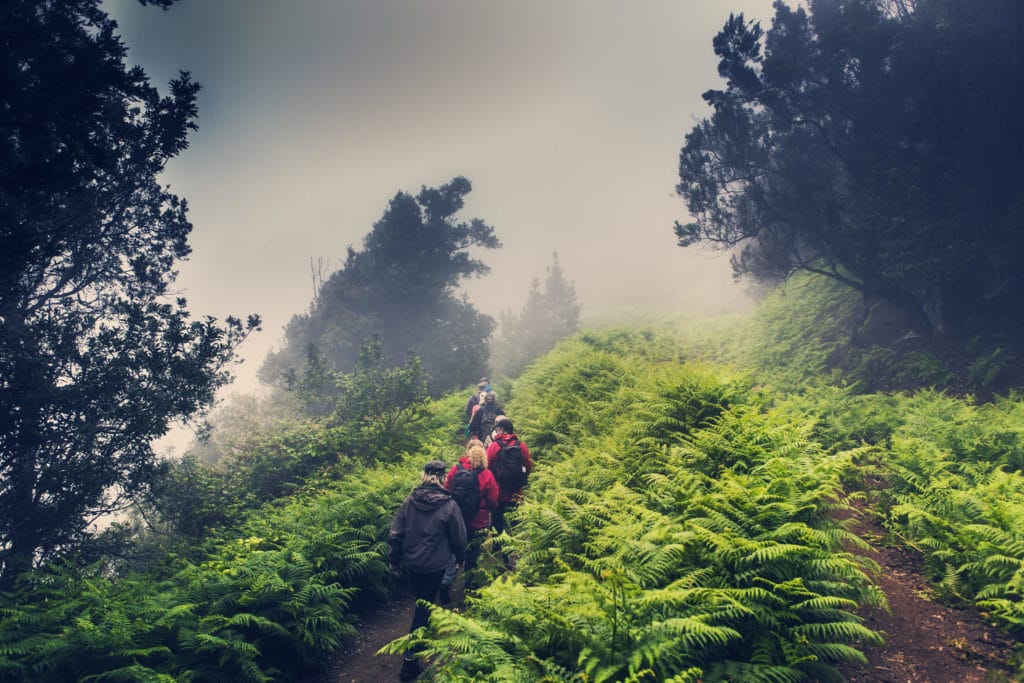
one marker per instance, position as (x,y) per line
(428,497)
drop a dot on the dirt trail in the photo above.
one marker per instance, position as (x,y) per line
(925,640)
(357,663)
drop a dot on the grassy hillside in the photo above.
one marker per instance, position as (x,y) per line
(812,330)
(670,495)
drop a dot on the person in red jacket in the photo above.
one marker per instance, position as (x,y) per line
(475,462)
(509,494)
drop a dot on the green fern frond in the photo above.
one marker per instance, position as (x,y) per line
(837,631)
(136,673)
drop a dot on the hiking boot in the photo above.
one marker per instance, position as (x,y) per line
(444,596)
(410,669)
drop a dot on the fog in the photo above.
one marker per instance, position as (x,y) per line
(566,116)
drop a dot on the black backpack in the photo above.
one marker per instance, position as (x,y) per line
(487,419)
(510,466)
(465,490)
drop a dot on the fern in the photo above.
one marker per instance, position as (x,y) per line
(666,545)
(679,526)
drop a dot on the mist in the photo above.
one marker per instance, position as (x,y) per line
(566,117)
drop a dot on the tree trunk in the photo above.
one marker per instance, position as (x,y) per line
(24,539)
(21,419)
(934,309)
(913,307)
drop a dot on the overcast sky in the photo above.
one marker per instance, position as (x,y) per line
(566,115)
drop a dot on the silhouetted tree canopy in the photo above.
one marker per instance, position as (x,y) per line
(548,316)
(877,142)
(95,361)
(400,289)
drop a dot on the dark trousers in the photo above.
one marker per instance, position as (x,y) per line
(425,586)
(474,546)
(474,543)
(498,520)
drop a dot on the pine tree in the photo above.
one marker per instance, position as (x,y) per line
(548,316)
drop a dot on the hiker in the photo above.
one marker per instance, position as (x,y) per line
(426,532)
(475,490)
(482,387)
(509,459)
(483,420)
(474,410)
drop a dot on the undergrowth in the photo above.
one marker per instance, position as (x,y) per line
(680,524)
(677,528)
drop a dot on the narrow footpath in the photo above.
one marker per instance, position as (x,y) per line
(358,663)
(925,640)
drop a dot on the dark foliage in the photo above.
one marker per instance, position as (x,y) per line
(94,360)
(401,289)
(877,143)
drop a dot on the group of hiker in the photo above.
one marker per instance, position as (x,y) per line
(441,526)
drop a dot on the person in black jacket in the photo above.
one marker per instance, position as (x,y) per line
(482,387)
(482,424)
(427,530)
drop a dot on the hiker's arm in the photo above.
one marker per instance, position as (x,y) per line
(474,424)
(490,492)
(457,533)
(397,536)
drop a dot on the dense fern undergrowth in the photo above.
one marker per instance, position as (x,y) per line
(678,528)
(266,599)
(688,519)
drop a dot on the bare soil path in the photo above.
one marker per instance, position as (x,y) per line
(925,640)
(358,663)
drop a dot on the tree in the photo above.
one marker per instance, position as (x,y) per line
(876,142)
(235,423)
(547,317)
(400,289)
(377,403)
(95,360)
